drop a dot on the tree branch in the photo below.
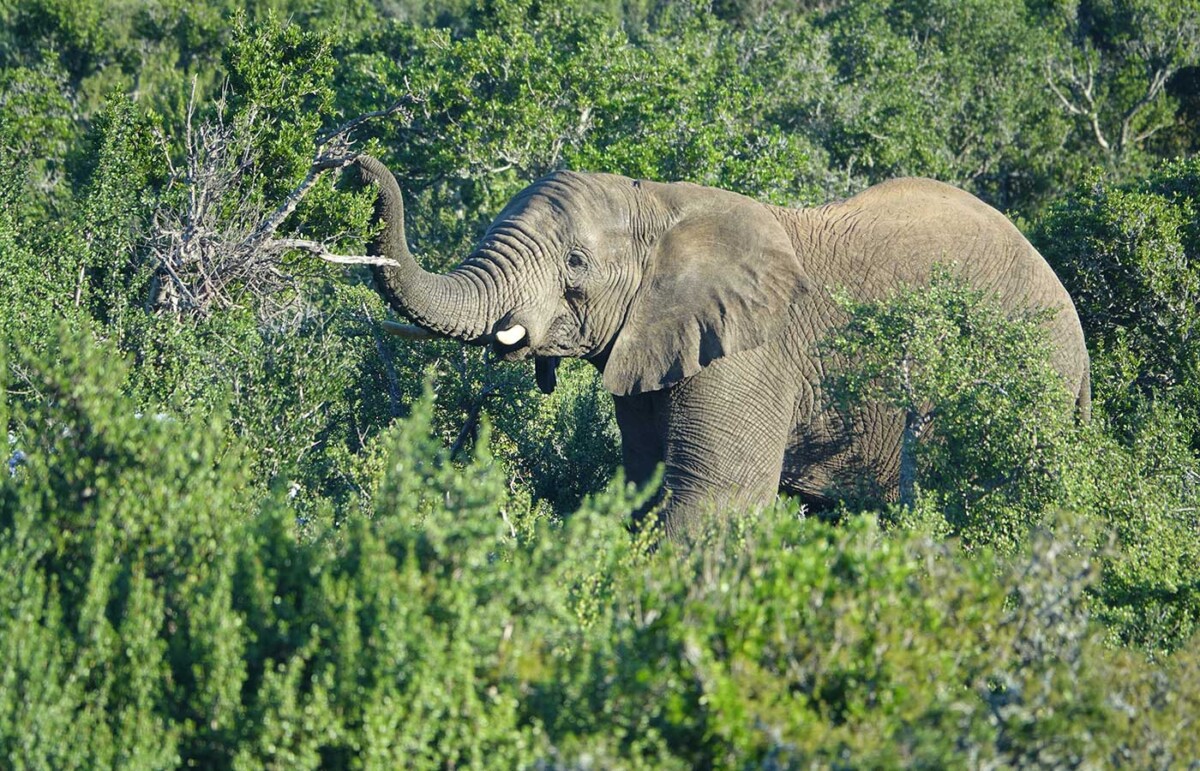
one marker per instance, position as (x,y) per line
(1082,88)
(403,104)
(219,238)
(318,249)
(1157,82)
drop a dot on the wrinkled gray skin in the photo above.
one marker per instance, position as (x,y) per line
(703,308)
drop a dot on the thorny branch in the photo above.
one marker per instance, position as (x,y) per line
(220,242)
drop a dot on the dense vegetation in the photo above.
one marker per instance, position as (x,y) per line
(240,527)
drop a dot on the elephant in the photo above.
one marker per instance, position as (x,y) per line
(703,311)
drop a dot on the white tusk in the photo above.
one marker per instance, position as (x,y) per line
(511,336)
(408,331)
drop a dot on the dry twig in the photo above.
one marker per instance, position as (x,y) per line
(220,243)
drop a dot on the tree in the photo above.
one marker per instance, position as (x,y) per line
(987,420)
(1111,65)
(944,89)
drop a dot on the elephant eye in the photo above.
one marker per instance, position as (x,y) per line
(575,260)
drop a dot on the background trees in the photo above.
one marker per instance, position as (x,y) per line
(236,532)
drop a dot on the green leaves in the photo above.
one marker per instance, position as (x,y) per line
(228,546)
(1130,256)
(1109,66)
(280,77)
(946,90)
(988,421)
(163,612)
(993,450)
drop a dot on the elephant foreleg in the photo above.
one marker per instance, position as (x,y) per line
(727,429)
(642,420)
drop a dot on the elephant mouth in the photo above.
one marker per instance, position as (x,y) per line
(557,340)
(545,367)
(518,351)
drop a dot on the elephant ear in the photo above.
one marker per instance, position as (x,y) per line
(719,281)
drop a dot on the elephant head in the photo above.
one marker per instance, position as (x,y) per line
(650,282)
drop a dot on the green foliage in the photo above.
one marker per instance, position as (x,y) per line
(999,418)
(243,534)
(104,243)
(1143,490)
(1130,256)
(35,121)
(115,523)
(1128,253)
(166,614)
(1109,63)
(951,90)
(995,449)
(569,446)
(280,78)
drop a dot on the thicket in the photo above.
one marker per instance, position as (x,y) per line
(240,527)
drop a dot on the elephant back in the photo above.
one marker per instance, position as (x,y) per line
(898,231)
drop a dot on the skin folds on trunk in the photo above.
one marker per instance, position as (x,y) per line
(455,304)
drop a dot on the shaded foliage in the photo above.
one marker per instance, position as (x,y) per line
(1130,256)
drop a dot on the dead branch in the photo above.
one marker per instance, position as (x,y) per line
(318,249)
(219,243)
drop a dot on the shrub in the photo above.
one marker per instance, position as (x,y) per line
(993,449)
(163,612)
(250,539)
(1129,254)
(1142,488)
(987,420)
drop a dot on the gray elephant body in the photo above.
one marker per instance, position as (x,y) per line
(703,309)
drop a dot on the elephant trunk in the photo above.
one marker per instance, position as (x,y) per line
(456,304)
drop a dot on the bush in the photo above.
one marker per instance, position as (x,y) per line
(1129,254)
(1143,491)
(993,449)
(241,534)
(987,421)
(163,612)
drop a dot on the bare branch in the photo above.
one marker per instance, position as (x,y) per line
(219,245)
(318,249)
(403,104)
(1100,139)
(1070,106)
(1082,88)
(269,225)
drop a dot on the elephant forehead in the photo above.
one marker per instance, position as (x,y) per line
(577,201)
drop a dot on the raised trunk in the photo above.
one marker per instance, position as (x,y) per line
(454,304)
